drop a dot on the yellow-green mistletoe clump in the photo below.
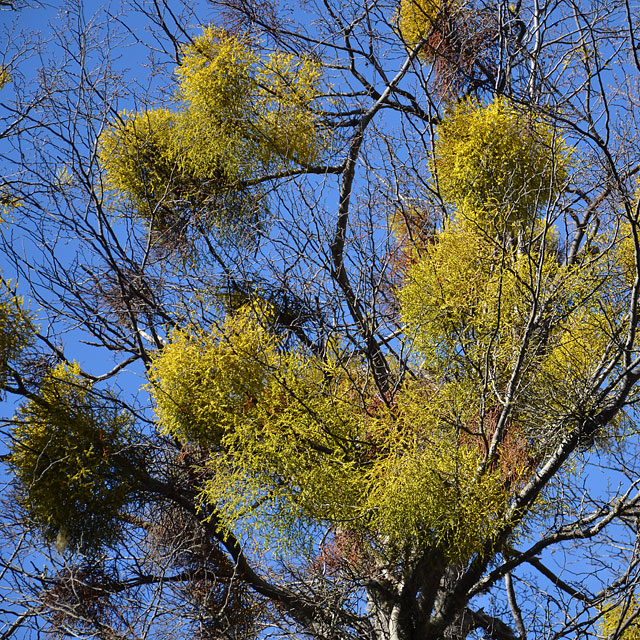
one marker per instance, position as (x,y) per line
(203,383)
(624,256)
(621,621)
(416,19)
(478,311)
(248,107)
(5,76)
(16,329)
(303,439)
(499,163)
(312,452)
(138,157)
(428,487)
(466,298)
(239,116)
(72,453)
(296,453)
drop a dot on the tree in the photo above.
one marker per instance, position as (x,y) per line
(328,332)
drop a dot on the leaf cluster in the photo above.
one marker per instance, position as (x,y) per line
(203,383)
(16,329)
(416,18)
(621,621)
(239,116)
(499,164)
(303,440)
(74,458)
(429,487)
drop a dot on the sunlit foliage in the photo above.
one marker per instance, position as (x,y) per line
(204,383)
(235,96)
(139,159)
(75,461)
(621,622)
(16,329)
(499,164)
(240,116)
(5,76)
(416,19)
(302,440)
(469,306)
(297,450)
(487,300)
(428,487)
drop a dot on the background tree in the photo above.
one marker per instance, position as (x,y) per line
(328,324)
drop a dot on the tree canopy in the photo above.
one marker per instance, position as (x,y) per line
(322,322)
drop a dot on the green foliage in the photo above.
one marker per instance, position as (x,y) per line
(416,19)
(428,486)
(621,622)
(311,452)
(204,383)
(300,440)
(246,108)
(137,154)
(477,312)
(499,164)
(5,76)
(296,453)
(624,250)
(240,115)
(445,291)
(73,456)
(282,423)
(16,329)
(487,299)
(457,300)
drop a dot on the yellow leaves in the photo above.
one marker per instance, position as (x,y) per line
(464,296)
(427,482)
(215,73)
(204,383)
(292,458)
(16,328)
(5,76)
(302,440)
(9,203)
(218,90)
(299,442)
(482,313)
(138,157)
(434,497)
(621,621)
(73,458)
(262,102)
(624,250)
(488,300)
(453,278)
(580,347)
(416,19)
(499,164)
(240,115)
